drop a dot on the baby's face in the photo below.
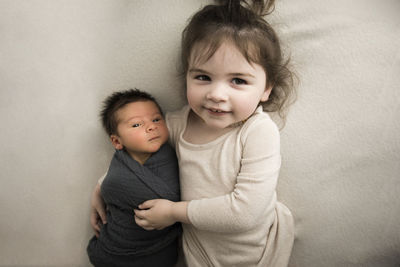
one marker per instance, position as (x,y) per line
(141,129)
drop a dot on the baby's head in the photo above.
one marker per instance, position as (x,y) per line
(134,121)
(241,24)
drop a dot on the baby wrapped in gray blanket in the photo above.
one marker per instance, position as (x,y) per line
(121,241)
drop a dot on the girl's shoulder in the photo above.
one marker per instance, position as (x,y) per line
(259,127)
(178,114)
(260,120)
(177,118)
(176,122)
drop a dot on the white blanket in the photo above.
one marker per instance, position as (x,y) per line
(341,170)
(341,148)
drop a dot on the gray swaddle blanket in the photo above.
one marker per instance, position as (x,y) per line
(129,184)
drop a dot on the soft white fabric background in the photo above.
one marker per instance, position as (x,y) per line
(340,147)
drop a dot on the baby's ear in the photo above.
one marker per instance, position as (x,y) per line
(267,92)
(116,142)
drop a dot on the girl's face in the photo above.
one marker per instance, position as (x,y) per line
(226,89)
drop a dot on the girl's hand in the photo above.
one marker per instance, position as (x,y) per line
(98,211)
(155,214)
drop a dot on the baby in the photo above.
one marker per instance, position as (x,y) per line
(143,167)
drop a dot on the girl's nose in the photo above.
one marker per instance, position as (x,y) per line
(217,93)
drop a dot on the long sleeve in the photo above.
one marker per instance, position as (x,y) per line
(230,184)
(101,179)
(253,199)
(176,124)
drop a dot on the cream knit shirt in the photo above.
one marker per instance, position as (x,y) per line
(230,182)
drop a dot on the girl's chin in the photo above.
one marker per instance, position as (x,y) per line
(216,122)
(217,125)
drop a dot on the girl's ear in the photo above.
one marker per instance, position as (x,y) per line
(267,92)
(116,142)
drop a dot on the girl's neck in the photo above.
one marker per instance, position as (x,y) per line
(198,132)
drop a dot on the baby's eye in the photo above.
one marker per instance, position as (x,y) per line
(157,120)
(202,78)
(135,125)
(238,81)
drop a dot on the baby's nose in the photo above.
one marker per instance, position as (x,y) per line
(151,127)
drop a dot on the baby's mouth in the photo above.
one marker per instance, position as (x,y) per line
(153,138)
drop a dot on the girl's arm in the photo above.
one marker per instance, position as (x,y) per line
(252,201)
(160,213)
(98,209)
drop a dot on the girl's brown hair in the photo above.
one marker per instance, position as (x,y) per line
(242,23)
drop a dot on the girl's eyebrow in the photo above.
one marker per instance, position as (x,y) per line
(198,70)
(230,74)
(242,74)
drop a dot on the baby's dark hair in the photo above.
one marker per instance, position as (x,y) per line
(117,101)
(242,23)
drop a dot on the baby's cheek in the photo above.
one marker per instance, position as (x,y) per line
(165,134)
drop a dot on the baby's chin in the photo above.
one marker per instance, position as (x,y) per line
(157,147)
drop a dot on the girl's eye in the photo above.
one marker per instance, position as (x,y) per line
(238,81)
(135,125)
(202,78)
(157,120)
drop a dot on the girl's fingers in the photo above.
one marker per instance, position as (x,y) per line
(95,222)
(143,223)
(140,213)
(147,204)
(138,221)
(102,215)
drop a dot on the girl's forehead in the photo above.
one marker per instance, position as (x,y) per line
(224,51)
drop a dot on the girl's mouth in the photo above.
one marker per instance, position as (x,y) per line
(217,112)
